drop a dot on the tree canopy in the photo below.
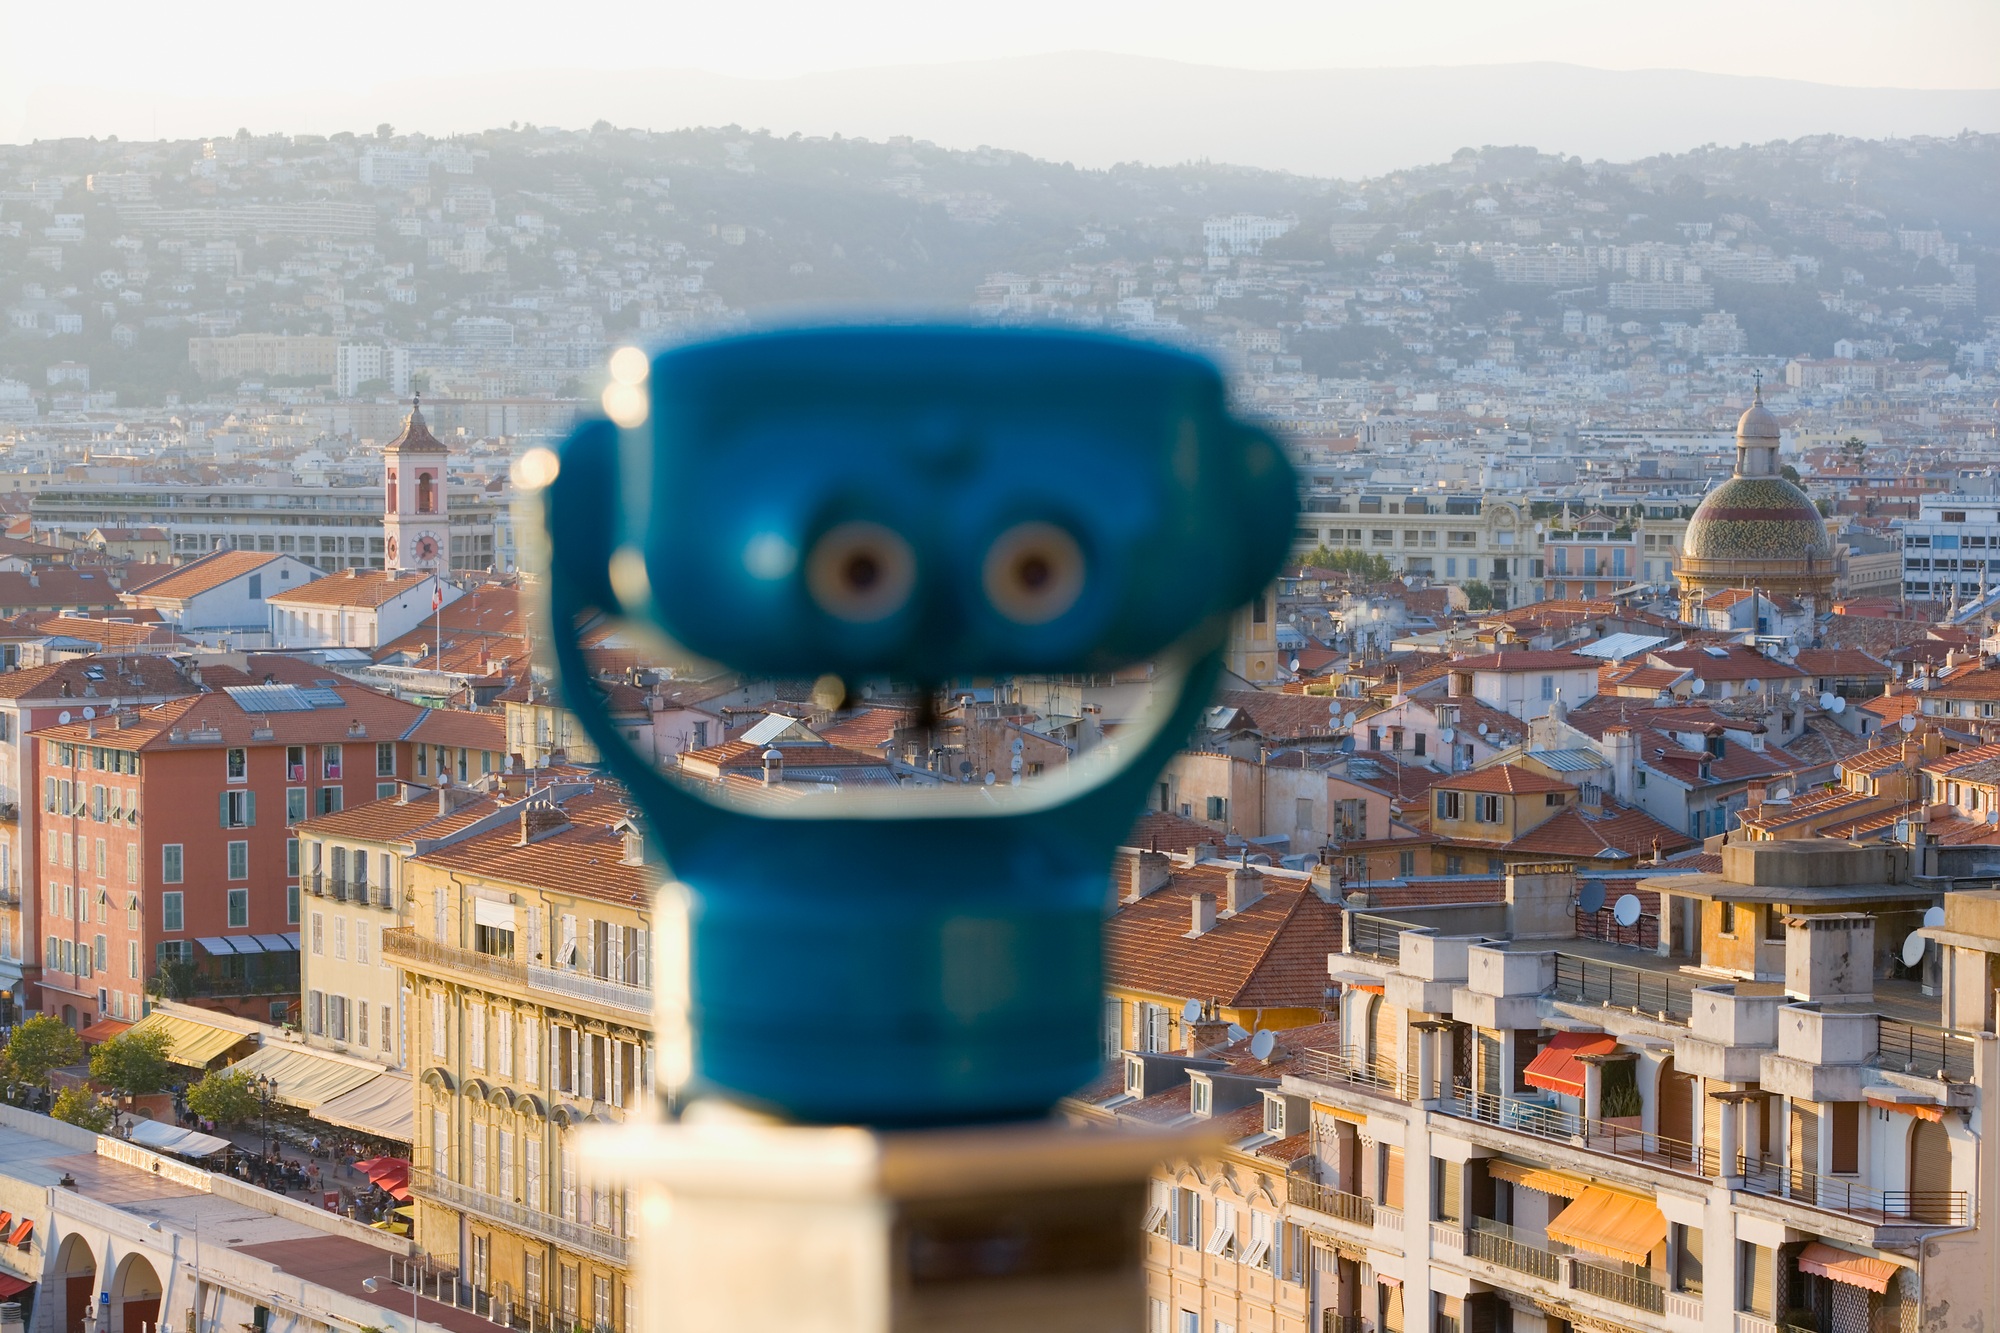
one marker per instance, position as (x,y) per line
(41,1044)
(80,1106)
(224,1096)
(134,1064)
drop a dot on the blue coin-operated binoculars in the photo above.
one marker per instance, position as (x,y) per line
(924,504)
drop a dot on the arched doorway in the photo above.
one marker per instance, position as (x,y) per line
(1674,1120)
(1930,1172)
(77,1267)
(135,1296)
(69,1015)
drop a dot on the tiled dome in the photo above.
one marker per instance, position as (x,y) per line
(1757,518)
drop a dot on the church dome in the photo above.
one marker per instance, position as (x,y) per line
(1756,519)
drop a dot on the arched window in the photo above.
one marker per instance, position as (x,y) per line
(426,494)
(392,490)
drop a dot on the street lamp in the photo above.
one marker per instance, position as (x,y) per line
(264,1085)
(372,1285)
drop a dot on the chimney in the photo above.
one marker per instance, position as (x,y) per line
(1207,1033)
(1150,871)
(1590,798)
(1246,886)
(635,844)
(774,766)
(1830,956)
(1204,916)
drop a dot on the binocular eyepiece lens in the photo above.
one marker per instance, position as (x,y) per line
(1034,573)
(861,572)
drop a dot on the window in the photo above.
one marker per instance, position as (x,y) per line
(239,907)
(131,863)
(239,809)
(316,1013)
(1687,1258)
(1222,1239)
(1200,1096)
(239,860)
(329,762)
(170,912)
(440,1144)
(1754,1278)
(1727,926)
(360,940)
(1548,687)
(385,791)
(1489,809)
(600,1301)
(1406,864)
(1450,805)
(295,804)
(340,938)
(132,959)
(1218,808)
(236,764)
(385,759)
(1260,1253)
(295,763)
(170,863)
(531,1271)
(479,1157)
(328,801)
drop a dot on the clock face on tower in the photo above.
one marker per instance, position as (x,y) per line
(425,546)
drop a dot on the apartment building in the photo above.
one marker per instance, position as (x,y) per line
(327,527)
(44,696)
(1765,1123)
(527,975)
(1449,538)
(160,874)
(1951,549)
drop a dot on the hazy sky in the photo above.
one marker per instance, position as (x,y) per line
(211,47)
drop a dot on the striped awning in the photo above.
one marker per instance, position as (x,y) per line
(1537,1178)
(1557,1067)
(1856,1270)
(305,1078)
(189,1042)
(1921,1110)
(1619,1226)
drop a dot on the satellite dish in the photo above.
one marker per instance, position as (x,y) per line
(1447,735)
(1626,911)
(1333,711)
(990,777)
(1295,664)
(1913,949)
(964,767)
(1191,1011)
(1348,720)
(1482,728)
(1017,745)
(1795,696)
(1753,684)
(1590,898)
(1700,686)
(1237,1032)
(1839,706)
(62,718)
(89,712)
(1934,917)
(1262,1045)
(1014,764)
(1908,724)
(1826,700)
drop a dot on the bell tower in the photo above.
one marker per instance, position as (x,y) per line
(415,524)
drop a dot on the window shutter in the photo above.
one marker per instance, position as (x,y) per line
(1448,1177)
(1392,1176)
(1490,1052)
(1712,1112)
(1803,1150)
(222,810)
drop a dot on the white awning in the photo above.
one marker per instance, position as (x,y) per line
(496,916)
(384,1106)
(173,1139)
(303,1077)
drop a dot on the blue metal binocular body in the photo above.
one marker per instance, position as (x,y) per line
(924,504)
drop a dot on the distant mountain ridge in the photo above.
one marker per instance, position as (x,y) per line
(1094,109)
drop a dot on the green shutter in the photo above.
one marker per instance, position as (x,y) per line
(222,813)
(249,809)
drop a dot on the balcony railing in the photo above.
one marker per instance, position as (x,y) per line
(404,942)
(583,986)
(1920,1048)
(1498,1243)
(1355,1208)
(1943,1208)
(1625,1286)
(1590,981)
(1342,1323)
(535,1221)
(1376,936)
(1558,1125)
(1353,1067)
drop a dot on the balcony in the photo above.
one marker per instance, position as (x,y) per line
(1354,1208)
(1622,1283)
(1921,1048)
(1498,1243)
(403,942)
(1377,937)
(1558,1126)
(534,1221)
(1668,996)
(1354,1068)
(1937,1208)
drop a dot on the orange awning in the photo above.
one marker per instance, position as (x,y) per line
(1921,1110)
(1372,987)
(1535,1178)
(21,1234)
(11,1286)
(1620,1226)
(1556,1066)
(104,1029)
(1856,1270)
(6,1220)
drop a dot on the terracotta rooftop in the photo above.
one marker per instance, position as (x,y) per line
(1272,954)
(1506,778)
(215,719)
(365,588)
(209,572)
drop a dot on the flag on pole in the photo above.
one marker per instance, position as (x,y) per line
(437,596)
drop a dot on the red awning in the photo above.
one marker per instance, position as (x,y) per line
(104,1029)
(1921,1110)
(12,1286)
(1556,1066)
(21,1233)
(1856,1270)
(391,1174)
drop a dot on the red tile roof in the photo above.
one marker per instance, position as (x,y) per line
(1523,659)
(97,677)
(1271,955)
(1619,829)
(209,572)
(212,720)
(1508,778)
(368,588)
